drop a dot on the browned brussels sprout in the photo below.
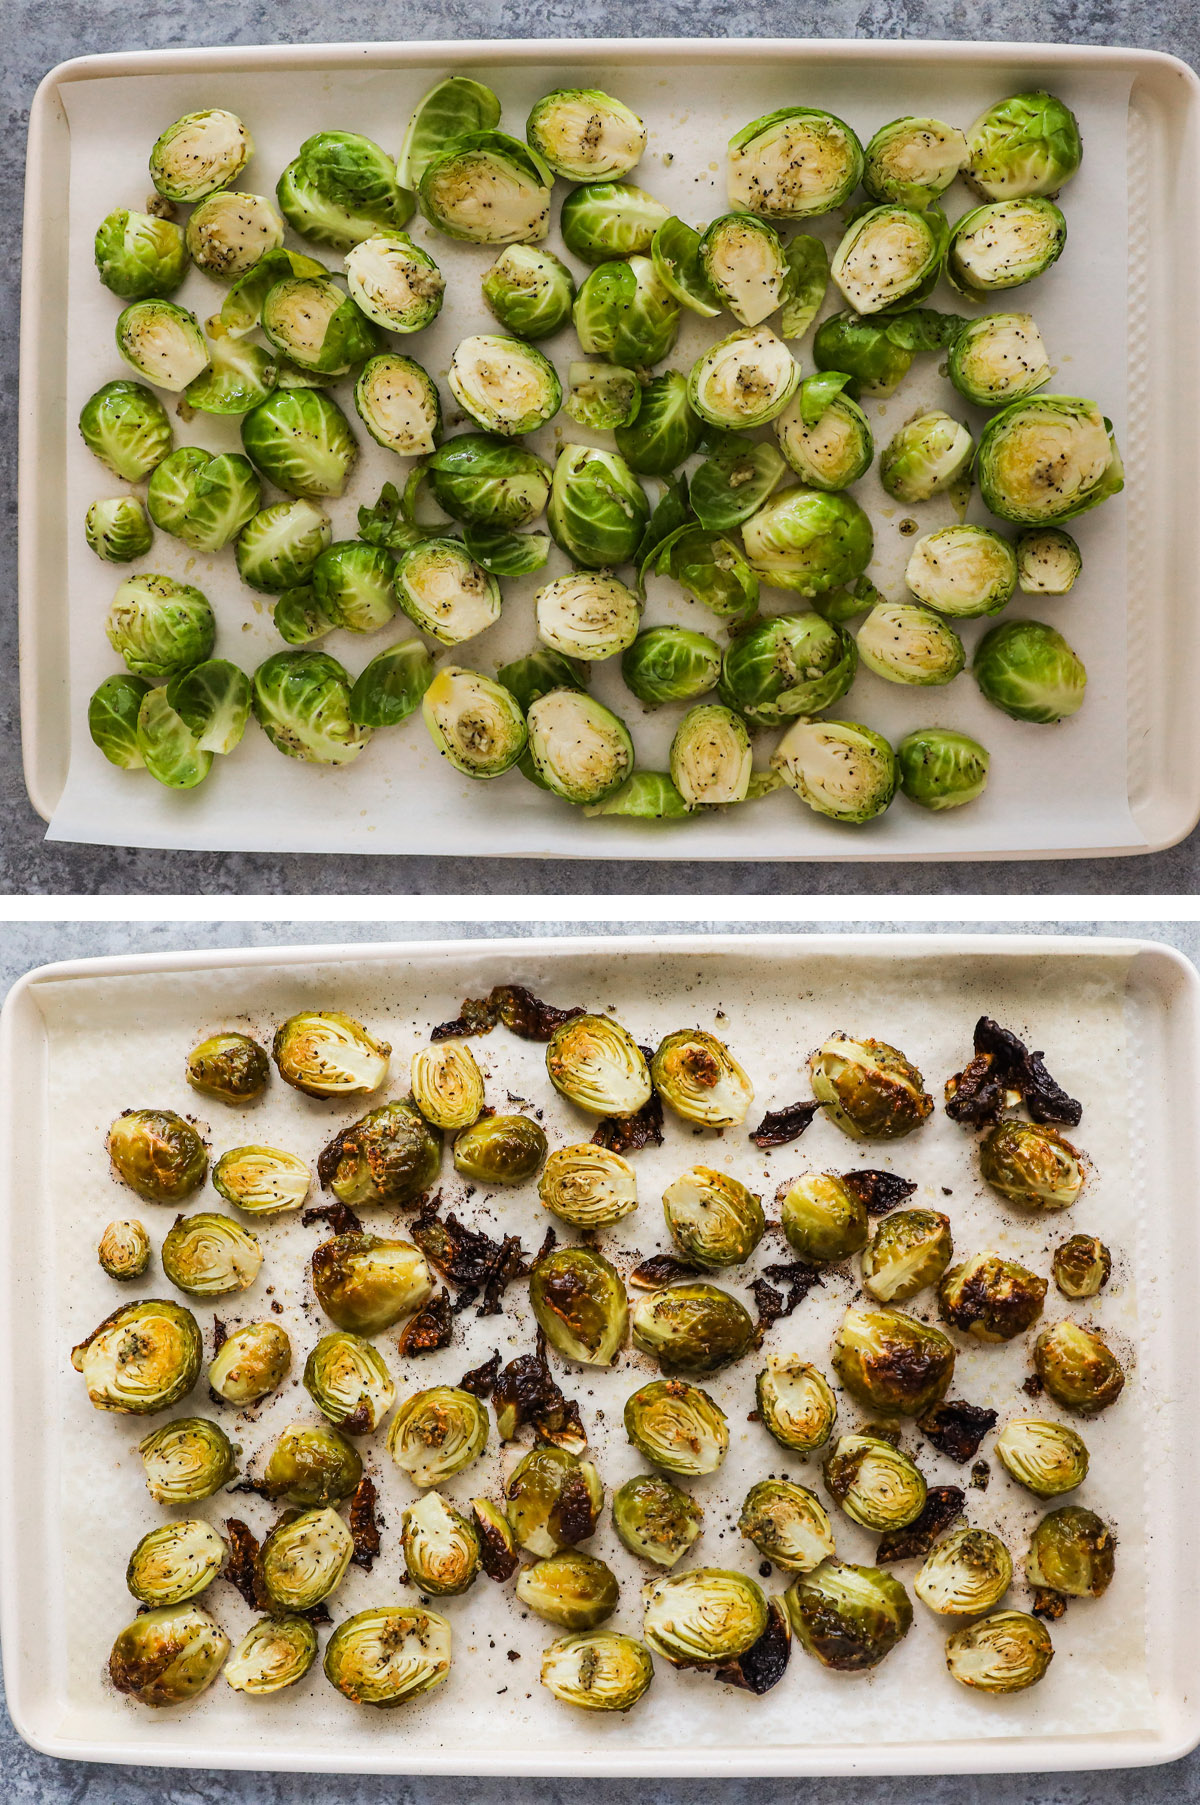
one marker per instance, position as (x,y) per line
(598,1671)
(909,1250)
(168,1656)
(230,1067)
(1078,1368)
(390,1156)
(437,1432)
(1072,1551)
(703,1617)
(695,1328)
(823,1219)
(848,1617)
(441,1547)
(275,1652)
(348,1380)
(892,1363)
(210,1255)
(263,1181)
(188,1459)
(697,1076)
(875,1482)
(311,1465)
(579,1301)
(250,1363)
(175,1563)
(124,1250)
(142,1358)
(656,1520)
(595,1063)
(304,1559)
(869,1089)
(1081,1266)
(327,1054)
(968,1572)
(788,1524)
(158,1154)
(553,1500)
(574,1590)
(1046,1458)
(388,1654)
(795,1403)
(501,1150)
(714,1219)
(677,1426)
(447,1084)
(588,1186)
(365,1284)
(1002,1653)
(1031,1165)
(497,1549)
(991,1298)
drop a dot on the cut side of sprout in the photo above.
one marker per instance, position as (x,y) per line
(834,452)
(199,153)
(745,265)
(793,163)
(474,722)
(998,359)
(1004,244)
(162,342)
(585,135)
(587,614)
(504,384)
(890,255)
(839,768)
(1048,562)
(228,233)
(398,403)
(906,643)
(744,380)
(963,571)
(711,761)
(444,592)
(913,161)
(395,282)
(581,750)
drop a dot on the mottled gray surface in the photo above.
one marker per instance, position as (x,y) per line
(42,33)
(31,1779)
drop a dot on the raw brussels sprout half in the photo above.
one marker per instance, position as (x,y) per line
(677,1426)
(597,1671)
(574,1590)
(1073,1552)
(168,1656)
(625,313)
(823,1219)
(175,1563)
(305,1560)
(263,1181)
(199,153)
(903,642)
(671,664)
(364,1283)
(713,1218)
(348,1380)
(1078,1368)
(251,1363)
(1048,561)
(665,430)
(159,626)
(711,761)
(1028,144)
(1047,459)
(913,160)
(869,1088)
(602,396)
(788,1524)
(485,481)
(340,189)
(441,1546)
(991,1298)
(587,614)
(124,1250)
(941,769)
(202,498)
(530,291)
(825,436)
(791,664)
(474,722)
(445,592)
(388,1654)
(140,256)
(928,455)
(1047,1458)
(447,1085)
(300,440)
(1031,1165)
(487,188)
(1028,671)
(703,1617)
(1081,1266)
(745,267)
(998,359)
(793,163)
(839,768)
(127,428)
(966,1573)
(585,135)
(228,232)
(506,385)
(398,403)
(302,704)
(501,1150)
(239,375)
(437,1432)
(875,1482)
(581,750)
(1004,244)
(118,530)
(890,257)
(578,1299)
(113,713)
(588,1186)
(604,220)
(962,571)
(143,1358)
(275,1652)
(276,550)
(848,1618)
(693,1328)
(1002,1653)
(655,1520)
(697,1076)
(312,322)
(744,380)
(892,1363)
(597,511)
(394,282)
(162,342)
(158,1154)
(909,1250)
(390,1156)
(876,352)
(241,308)
(553,1500)
(187,1460)
(807,541)
(795,1403)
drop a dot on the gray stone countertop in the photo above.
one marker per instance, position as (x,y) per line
(42,33)
(33,1779)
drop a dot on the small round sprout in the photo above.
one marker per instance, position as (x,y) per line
(118,530)
(175,1563)
(187,1460)
(530,291)
(365,1284)
(625,313)
(501,1150)
(394,282)
(160,627)
(311,1465)
(474,722)
(868,1088)
(677,1426)
(794,163)
(991,1298)
(1072,1551)
(228,232)
(486,481)
(711,761)
(839,768)
(596,1064)
(875,1482)
(693,1328)
(553,1500)
(966,1573)
(447,1084)
(390,1156)
(912,161)
(909,1250)
(229,1067)
(505,385)
(903,642)
(1047,459)
(671,664)
(200,153)
(891,1363)
(298,619)
(341,189)
(300,440)
(277,549)
(1005,1652)
(823,1219)
(169,1656)
(703,1617)
(210,1255)
(305,1560)
(275,1652)
(744,380)
(597,510)
(585,135)
(890,256)
(437,1432)
(795,1403)
(697,1076)
(142,1358)
(578,1299)
(713,1218)
(831,452)
(745,266)
(487,188)
(1078,1368)
(655,1520)
(1031,1165)
(1048,561)
(587,614)
(388,1654)
(327,1054)
(162,342)
(127,428)
(588,1186)
(124,1250)
(788,1524)
(1028,144)
(1046,1458)
(926,457)
(604,220)
(441,1547)
(962,571)
(158,1154)
(1029,672)
(998,359)
(251,1363)
(574,1590)
(203,499)
(597,1671)
(348,1380)
(808,541)
(1004,244)
(848,1618)
(445,592)
(791,664)
(1081,1266)
(140,256)
(665,432)
(263,1181)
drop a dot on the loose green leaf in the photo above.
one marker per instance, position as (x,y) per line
(804,285)
(734,481)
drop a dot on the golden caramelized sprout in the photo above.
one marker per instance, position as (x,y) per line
(365,1284)
(574,1590)
(311,1465)
(1078,1368)
(437,1432)
(388,1654)
(1046,1458)
(231,1068)
(1072,1551)
(447,1084)
(275,1652)
(598,1671)
(187,1460)
(869,1089)
(991,1298)
(303,1561)
(697,1076)
(875,1482)
(795,1403)
(175,1563)
(251,1363)
(441,1546)
(714,1219)
(656,1520)
(788,1524)
(553,1500)
(579,1301)
(390,1156)
(892,1363)
(677,1426)
(263,1181)
(210,1255)
(588,1186)
(142,1358)
(823,1219)
(694,1328)
(501,1150)
(909,1250)
(169,1656)
(1031,1165)
(347,1379)
(848,1618)
(124,1250)
(158,1154)
(966,1573)
(1002,1653)
(327,1054)
(1081,1267)
(596,1064)
(703,1617)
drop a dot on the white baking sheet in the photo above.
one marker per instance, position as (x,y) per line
(119,1043)
(1051,787)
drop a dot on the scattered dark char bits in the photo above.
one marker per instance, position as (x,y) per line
(956,1428)
(942,1505)
(470,1260)
(629,1134)
(497,1559)
(1047,1604)
(981,1474)
(526,1391)
(661,1269)
(765,1662)
(878,1192)
(1033,1387)
(242,1569)
(513,1006)
(220,1335)
(339,1216)
(779,1126)
(480,1380)
(1004,1072)
(430,1329)
(797,1279)
(364,1526)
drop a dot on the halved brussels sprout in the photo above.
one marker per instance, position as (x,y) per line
(671,664)
(597,510)
(869,1088)
(388,1654)
(892,1363)
(823,1219)
(199,153)
(447,1084)
(118,530)
(251,1363)
(162,342)
(1025,145)
(574,1590)
(505,385)
(795,1403)
(913,161)
(713,1218)
(927,456)
(848,1618)
(1031,1165)
(1072,1551)
(1004,244)
(394,282)
(241,308)
(711,761)
(866,351)
(277,549)
(875,1482)
(348,1380)
(441,1546)
(451,107)
(909,1250)
(228,232)
(693,1328)
(341,189)
(327,1054)
(113,714)
(486,481)
(389,1156)
(1048,458)
(124,1250)
(1078,1368)
(1046,1458)
(808,541)
(142,1358)
(839,768)
(169,1656)
(487,188)
(788,1524)
(744,264)
(1002,1653)
(160,626)
(497,1549)
(203,499)
(744,380)
(310,1465)
(625,312)
(140,255)
(1081,1266)
(445,592)
(904,642)
(275,1652)
(210,1255)
(530,291)
(585,135)
(602,396)
(587,614)
(991,1298)
(966,1573)
(791,664)
(889,257)
(127,428)
(390,688)
(474,722)
(158,1154)
(655,1520)
(437,1432)
(665,430)
(230,1067)
(175,1563)
(698,1077)
(1048,561)
(588,1186)
(553,1499)
(365,1284)
(794,163)
(579,1301)
(305,1559)
(239,375)
(604,220)
(703,1617)
(677,1426)
(825,437)
(501,1150)
(398,403)
(963,571)
(598,1671)
(998,359)
(596,1064)
(301,441)
(212,701)
(940,768)
(1029,672)
(187,1460)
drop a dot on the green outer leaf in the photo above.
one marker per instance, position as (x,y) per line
(238,377)
(113,718)
(386,524)
(241,309)
(804,286)
(505,554)
(675,253)
(299,617)
(735,480)
(449,110)
(816,393)
(169,751)
(213,702)
(390,688)
(644,796)
(538,673)
(666,430)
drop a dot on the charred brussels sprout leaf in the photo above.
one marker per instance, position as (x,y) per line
(388,1654)
(365,1284)
(158,1154)
(695,1328)
(579,1301)
(437,1432)
(703,1617)
(187,1460)
(869,1088)
(142,1358)
(501,1150)
(677,1426)
(310,1466)
(597,1671)
(655,1520)
(891,1363)
(991,1298)
(168,1656)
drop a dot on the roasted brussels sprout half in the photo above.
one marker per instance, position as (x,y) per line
(263,1181)
(447,1084)
(998,359)
(963,571)
(941,769)
(305,1559)
(158,1154)
(210,1255)
(251,1363)
(394,282)
(579,1301)
(966,1573)
(113,714)
(229,231)
(693,1328)
(142,1358)
(868,1088)
(808,541)
(365,1284)
(311,1465)
(788,1524)
(596,1064)
(655,1520)
(1048,562)
(875,1482)
(162,342)
(598,1671)
(588,1186)
(1004,244)
(927,456)
(604,220)
(794,163)
(1046,459)
(187,1460)
(848,1618)
(487,188)
(437,1432)
(553,1500)
(890,256)
(1046,1458)
(587,614)
(585,135)
(1078,1368)
(1028,671)
(677,1426)
(118,530)
(1072,1552)
(199,153)
(713,1218)
(1002,1653)
(795,1403)
(671,664)
(1026,145)
(391,1156)
(348,1380)
(991,1298)
(710,759)
(230,1067)
(486,481)
(504,384)
(175,1563)
(341,189)
(530,291)
(791,664)
(275,1652)
(501,1150)
(300,440)
(703,1617)
(902,642)
(168,1656)
(697,1076)
(909,1250)
(891,1363)
(825,436)
(665,431)
(474,722)
(744,380)
(140,255)
(912,161)
(127,428)
(1031,1165)
(276,550)
(839,768)
(441,1546)
(388,1654)
(574,1590)
(1081,1266)
(745,266)
(625,313)
(124,1250)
